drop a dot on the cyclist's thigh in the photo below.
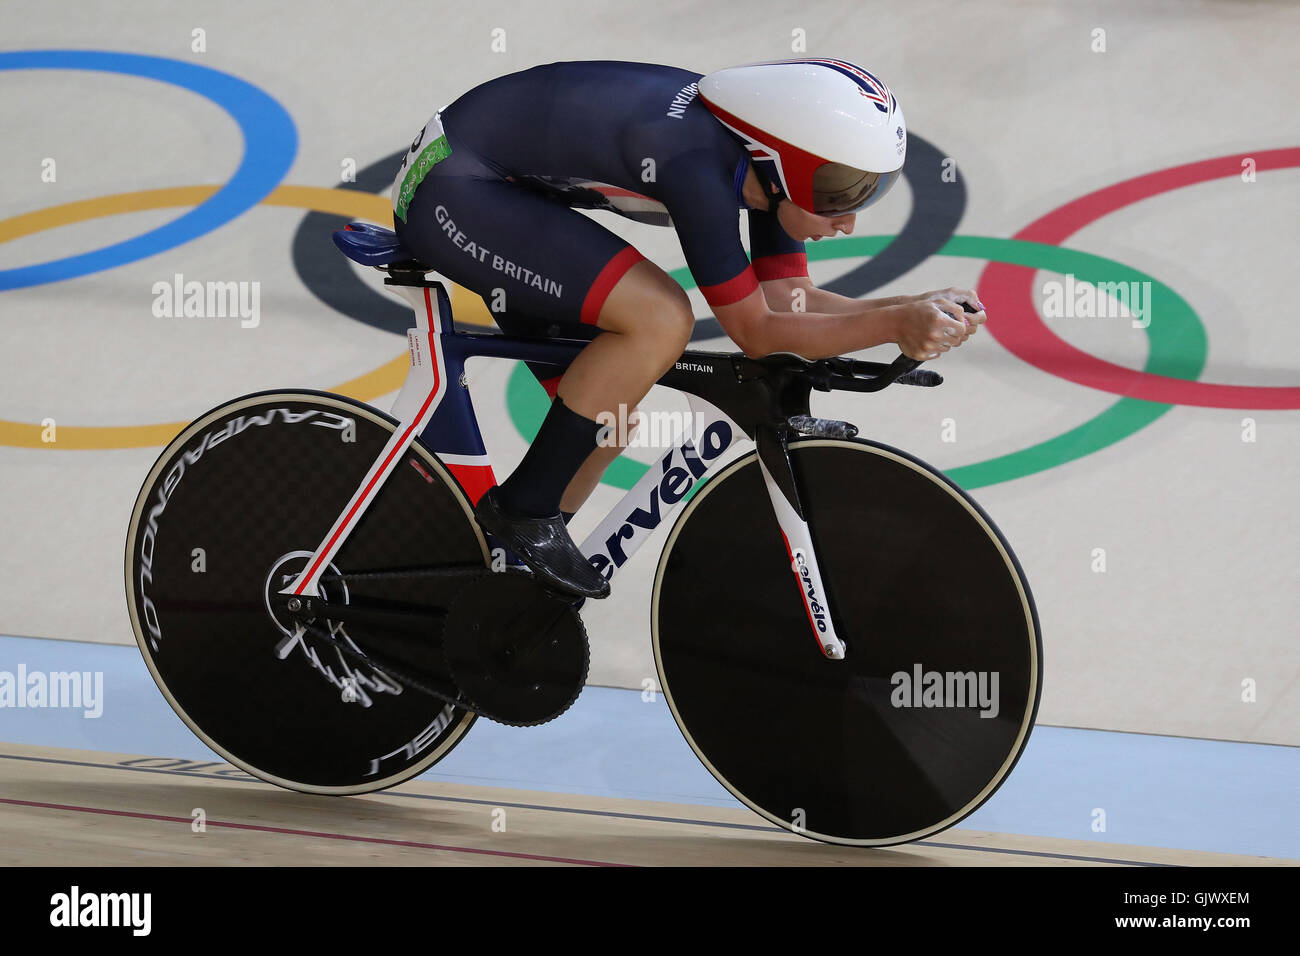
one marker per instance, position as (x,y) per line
(537,264)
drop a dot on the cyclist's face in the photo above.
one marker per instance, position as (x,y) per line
(797,222)
(803,225)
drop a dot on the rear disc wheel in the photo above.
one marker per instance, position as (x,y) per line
(229,515)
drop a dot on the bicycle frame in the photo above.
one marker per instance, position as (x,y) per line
(434,403)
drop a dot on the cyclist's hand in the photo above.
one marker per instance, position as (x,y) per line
(964,297)
(960,296)
(930,327)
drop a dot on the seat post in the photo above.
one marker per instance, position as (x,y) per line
(429,301)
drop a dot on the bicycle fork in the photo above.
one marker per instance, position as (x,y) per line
(778,476)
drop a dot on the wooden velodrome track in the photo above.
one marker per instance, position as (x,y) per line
(74,807)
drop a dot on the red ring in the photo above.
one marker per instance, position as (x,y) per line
(1021,329)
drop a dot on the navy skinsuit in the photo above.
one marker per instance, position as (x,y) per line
(494,208)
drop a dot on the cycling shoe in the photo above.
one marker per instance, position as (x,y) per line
(545,546)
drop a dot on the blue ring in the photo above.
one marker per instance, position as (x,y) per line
(270,143)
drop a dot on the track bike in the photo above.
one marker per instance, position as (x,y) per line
(314,599)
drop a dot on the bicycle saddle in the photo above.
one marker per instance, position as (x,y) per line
(375,246)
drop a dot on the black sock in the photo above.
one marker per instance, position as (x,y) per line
(563,443)
(567,515)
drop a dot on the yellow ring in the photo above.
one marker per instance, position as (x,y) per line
(380,381)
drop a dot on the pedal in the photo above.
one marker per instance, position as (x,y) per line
(822,427)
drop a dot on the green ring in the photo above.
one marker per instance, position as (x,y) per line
(1178,350)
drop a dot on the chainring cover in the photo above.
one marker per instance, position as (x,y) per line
(515,648)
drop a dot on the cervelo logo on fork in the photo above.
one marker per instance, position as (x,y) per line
(815,607)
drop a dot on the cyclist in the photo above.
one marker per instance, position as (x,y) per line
(487,195)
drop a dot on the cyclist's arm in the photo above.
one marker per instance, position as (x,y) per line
(798,294)
(760,330)
(699,196)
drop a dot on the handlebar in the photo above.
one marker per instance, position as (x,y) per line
(853,376)
(841,374)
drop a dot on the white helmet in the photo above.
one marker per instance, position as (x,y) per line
(834,134)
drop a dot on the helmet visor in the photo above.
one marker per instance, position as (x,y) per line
(839,190)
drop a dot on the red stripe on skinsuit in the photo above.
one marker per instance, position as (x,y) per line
(731,291)
(789,265)
(614,270)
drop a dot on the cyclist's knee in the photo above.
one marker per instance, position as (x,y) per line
(670,323)
(646,302)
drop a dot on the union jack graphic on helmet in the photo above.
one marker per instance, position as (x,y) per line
(868,84)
